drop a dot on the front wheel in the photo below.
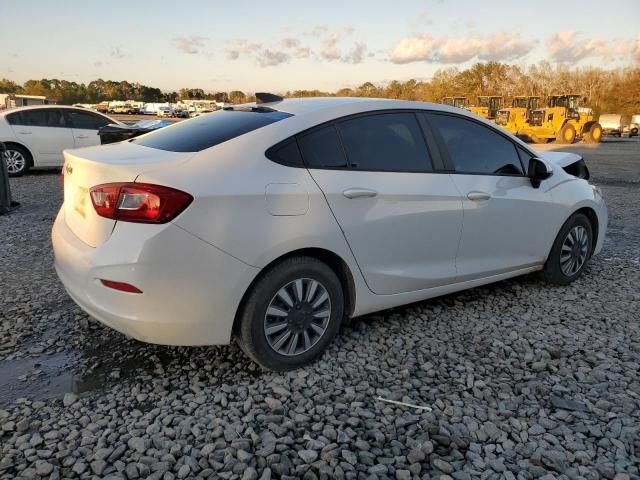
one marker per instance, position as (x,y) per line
(570,252)
(291,314)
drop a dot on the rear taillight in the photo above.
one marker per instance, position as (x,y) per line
(138,202)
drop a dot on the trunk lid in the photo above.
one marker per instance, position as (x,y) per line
(87,167)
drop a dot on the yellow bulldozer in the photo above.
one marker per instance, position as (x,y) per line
(515,117)
(487,106)
(563,120)
(460,102)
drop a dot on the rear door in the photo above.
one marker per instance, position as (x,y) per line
(401,219)
(507,223)
(85,126)
(44,132)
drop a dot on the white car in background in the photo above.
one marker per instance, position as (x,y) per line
(36,136)
(272,222)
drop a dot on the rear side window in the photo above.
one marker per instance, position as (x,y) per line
(37,118)
(385,142)
(321,148)
(286,153)
(15,118)
(86,120)
(208,130)
(474,148)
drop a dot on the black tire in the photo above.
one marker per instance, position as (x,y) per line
(593,133)
(20,152)
(566,135)
(251,334)
(553,271)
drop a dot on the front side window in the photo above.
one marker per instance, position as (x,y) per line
(208,130)
(474,148)
(385,142)
(86,120)
(321,148)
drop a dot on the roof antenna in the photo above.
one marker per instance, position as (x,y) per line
(262,97)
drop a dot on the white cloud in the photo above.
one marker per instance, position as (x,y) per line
(356,54)
(569,47)
(565,47)
(317,31)
(240,47)
(190,45)
(327,45)
(414,49)
(289,42)
(500,46)
(117,53)
(271,58)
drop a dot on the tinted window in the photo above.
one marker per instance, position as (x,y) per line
(14,118)
(321,148)
(286,153)
(389,142)
(525,157)
(474,148)
(208,130)
(37,118)
(86,121)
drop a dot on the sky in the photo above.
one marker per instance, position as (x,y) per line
(286,45)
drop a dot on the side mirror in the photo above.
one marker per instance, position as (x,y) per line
(538,171)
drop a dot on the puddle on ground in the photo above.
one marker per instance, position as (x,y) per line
(46,377)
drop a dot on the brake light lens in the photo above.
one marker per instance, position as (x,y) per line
(122,286)
(138,202)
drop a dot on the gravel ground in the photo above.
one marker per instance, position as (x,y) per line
(525,380)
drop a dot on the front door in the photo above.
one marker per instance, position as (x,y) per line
(507,222)
(85,127)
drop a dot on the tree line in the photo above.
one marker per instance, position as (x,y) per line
(606,90)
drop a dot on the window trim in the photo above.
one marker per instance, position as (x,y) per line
(445,151)
(438,165)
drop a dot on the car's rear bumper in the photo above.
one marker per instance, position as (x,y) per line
(191,290)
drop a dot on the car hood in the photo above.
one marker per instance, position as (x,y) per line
(560,159)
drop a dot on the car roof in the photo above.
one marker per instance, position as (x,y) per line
(38,107)
(308,105)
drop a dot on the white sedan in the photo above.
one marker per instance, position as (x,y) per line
(272,222)
(36,136)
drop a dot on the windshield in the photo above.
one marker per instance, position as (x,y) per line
(208,130)
(520,103)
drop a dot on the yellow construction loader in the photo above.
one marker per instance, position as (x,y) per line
(487,106)
(563,120)
(460,102)
(515,117)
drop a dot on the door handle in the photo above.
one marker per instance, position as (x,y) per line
(25,133)
(359,193)
(82,136)
(478,196)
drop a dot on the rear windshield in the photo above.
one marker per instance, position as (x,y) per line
(208,130)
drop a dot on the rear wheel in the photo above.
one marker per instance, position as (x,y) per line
(593,134)
(570,252)
(18,160)
(567,134)
(291,314)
